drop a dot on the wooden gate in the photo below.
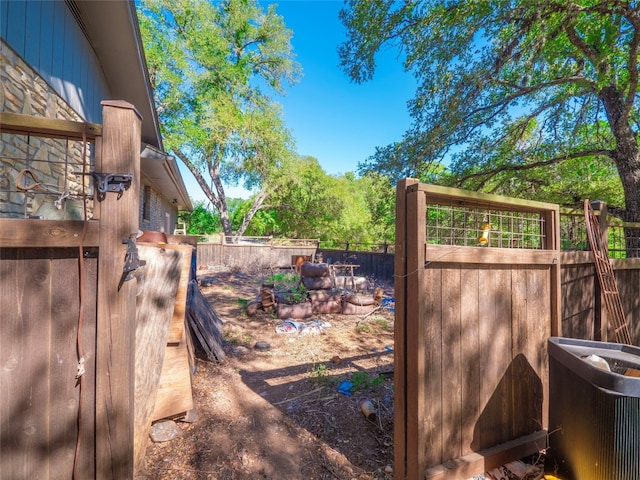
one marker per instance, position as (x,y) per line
(62,312)
(471,328)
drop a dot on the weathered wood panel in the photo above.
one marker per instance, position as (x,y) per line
(39,396)
(628,284)
(175,395)
(579,301)
(159,281)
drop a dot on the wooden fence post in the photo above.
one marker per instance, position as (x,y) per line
(400,360)
(115,351)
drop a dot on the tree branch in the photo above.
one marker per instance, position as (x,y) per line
(531,166)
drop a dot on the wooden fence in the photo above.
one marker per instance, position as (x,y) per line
(253,255)
(471,330)
(61,302)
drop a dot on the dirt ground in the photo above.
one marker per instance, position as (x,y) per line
(277,413)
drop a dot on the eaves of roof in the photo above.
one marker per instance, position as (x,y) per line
(112,29)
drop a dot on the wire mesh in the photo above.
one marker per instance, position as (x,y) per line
(45,178)
(473,226)
(573,232)
(623,239)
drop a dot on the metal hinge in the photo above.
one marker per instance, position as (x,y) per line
(131,261)
(111,182)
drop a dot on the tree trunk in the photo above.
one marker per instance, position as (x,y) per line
(627,158)
(257,203)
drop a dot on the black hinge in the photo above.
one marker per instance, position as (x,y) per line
(111,182)
(131,261)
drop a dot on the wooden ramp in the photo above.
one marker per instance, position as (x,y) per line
(606,277)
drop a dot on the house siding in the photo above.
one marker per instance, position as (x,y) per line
(58,50)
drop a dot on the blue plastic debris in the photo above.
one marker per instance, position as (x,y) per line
(389,304)
(345,387)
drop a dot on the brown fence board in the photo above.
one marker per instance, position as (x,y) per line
(62,363)
(470,340)
(433,388)
(495,333)
(40,398)
(24,407)
(452,365)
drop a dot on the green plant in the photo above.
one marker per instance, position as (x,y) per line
(289,286)
(376,325)
(362,380)
(319,373)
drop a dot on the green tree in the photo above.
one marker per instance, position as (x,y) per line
(200,221)
(210,64)
(313,204)
(521,96)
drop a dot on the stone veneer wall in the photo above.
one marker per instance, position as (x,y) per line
(56,163)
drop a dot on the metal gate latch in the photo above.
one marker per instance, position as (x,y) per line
(111,182)
(131,261)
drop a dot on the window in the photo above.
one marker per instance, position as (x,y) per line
(146,203)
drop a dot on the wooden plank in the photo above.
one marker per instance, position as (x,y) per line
(452,363)
(540,323)
(116,308)
(154,312)
(495,335)
(175,395)
(455,196)
(205,323)
(471,289)
(490,255)
(86,463)
(25,285)
(63,362)
(416,351)
(432,421)
(47,127)
(176,329)
(578,301)
(488,459)
(531,325)
(47,233)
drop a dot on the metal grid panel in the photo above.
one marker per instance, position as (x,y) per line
(623,239)
(45,178)
(486,227)
(573,232)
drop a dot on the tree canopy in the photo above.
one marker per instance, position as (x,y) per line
(529,98)
(211,64)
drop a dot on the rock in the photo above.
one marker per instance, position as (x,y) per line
(262,346)
(164,431)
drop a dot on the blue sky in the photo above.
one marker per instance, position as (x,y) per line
(333,119)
